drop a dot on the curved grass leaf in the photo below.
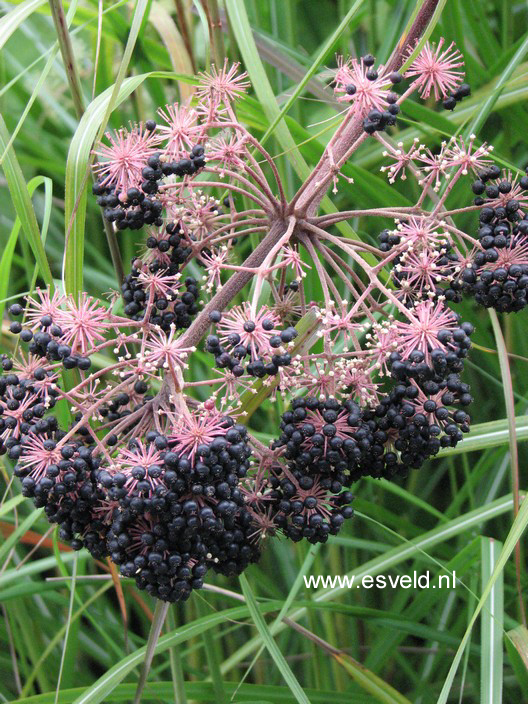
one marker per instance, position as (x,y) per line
(100,690)
(23,205)
(78,168)
(270,644)
(491,656)
(519,526)
(12,21)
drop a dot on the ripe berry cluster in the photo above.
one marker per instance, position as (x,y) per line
(140,205)
(250,344)
(498,272)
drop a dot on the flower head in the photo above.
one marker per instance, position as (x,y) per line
(253,331)
(355,87)
(222,86)
(425,329)
(191,430)
(83,322)
(436,69)
(181,130)
(124,157)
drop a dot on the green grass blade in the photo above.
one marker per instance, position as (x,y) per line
(491,654)
(99,690)
(485,110)
(321,56)
(270,644)
(516,641)
(23,205)
(490,434)
(11,22)
(15,536)
(246,43)
(77,170)
(514,535)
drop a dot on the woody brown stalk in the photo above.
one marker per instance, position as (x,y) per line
(351,130)
(312,192)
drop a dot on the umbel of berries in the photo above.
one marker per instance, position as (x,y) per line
(497,273)
(178,504)
(156,465)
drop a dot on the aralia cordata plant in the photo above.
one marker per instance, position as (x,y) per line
(169,487)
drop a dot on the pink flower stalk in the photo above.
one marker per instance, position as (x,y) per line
(124,158)
(229,151)
(401,160)
(214,265)
(142,456)
(421,330)
(435,167)
(381,343)
(291,257)
(222,86)
(357,378)
(181,130)
(516,192)
(516,253)
(13,417)
(421,234)
(162,350)
(190,430)
(44,305)
(199,216)
(320,377)
(368,94)
(159,283)
(437,70)
(342,322)
(468,157)
(84,323)
(38,453)
(418,272)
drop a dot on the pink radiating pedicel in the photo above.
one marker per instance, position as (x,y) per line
(181,130)
(249,327)
(124,158)
(190,431)
(225,85)
(38,453)
(83,323)
(144,456)
(437,70)
(420,331)
(368,94)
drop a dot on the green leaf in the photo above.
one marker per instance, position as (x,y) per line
(270,644)
(23,205)
(516,641)
(15,536)
(14,19)
(491,654)
(490,434)
(7,255)
(514,535)
(99,691)
(246,43)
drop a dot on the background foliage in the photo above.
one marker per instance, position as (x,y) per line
(80,640)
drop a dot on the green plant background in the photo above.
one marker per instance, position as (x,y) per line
(81,639)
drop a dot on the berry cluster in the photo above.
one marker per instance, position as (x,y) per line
(249,342)
(140,204)
(497,274)
(152,469)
